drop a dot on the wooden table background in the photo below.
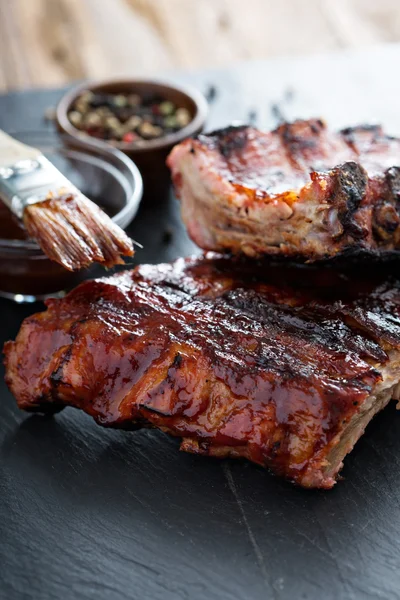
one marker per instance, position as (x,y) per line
(51,42)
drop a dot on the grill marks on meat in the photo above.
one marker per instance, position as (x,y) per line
(299,190)
(285,371)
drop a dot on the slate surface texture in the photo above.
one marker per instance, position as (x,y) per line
(87,513)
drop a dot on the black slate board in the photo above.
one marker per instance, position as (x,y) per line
(90,513)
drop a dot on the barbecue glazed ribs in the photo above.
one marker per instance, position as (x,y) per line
(285,371)
(299,191)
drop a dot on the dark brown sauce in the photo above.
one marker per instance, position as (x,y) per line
(12,229)
(30,272)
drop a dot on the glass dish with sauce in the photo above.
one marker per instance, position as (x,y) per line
(104,175)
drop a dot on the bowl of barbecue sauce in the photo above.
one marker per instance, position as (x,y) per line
(104,175)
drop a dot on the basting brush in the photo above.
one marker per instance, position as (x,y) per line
(70,229)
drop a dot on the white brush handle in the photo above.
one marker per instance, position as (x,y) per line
(12,151)
(26,176)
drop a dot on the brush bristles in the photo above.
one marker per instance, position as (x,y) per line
(75,232)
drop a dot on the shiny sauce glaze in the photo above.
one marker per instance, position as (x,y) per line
(355,172)
(271,163)
(237,358)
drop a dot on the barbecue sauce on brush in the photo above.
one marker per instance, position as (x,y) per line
(12,229)
(27,271)
(30,272)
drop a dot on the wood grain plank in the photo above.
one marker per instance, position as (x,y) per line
(55,40)
(224,31)
(131,45)
(51,42)
(13,69)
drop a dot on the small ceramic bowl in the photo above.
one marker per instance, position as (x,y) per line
(149,157)
(104,175)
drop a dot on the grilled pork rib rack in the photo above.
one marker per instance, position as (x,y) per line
(285,369)
(300,191)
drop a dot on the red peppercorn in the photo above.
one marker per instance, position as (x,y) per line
(94,132)
(129,137)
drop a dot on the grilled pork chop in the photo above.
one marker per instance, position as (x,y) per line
(233,364)
(299,191)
